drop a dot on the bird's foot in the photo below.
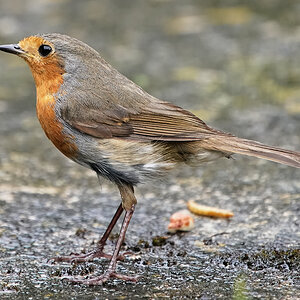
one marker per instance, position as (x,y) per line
(99,280)
(90,256)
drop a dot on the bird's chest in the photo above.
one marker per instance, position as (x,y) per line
(52,126)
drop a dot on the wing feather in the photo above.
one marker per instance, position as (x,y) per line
(126,111)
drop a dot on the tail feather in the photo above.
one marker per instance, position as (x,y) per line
(232,144)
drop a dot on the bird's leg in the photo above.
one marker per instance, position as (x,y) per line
(129,202)
(98,252)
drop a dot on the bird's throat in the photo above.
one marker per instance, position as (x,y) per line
(47,90)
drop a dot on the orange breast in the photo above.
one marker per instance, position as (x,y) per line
(47,85)
(53,128)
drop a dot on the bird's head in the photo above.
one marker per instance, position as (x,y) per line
(53,55)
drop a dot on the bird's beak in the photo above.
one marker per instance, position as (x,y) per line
(12,48)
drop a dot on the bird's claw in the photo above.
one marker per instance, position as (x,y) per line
(79,258)
(99,280)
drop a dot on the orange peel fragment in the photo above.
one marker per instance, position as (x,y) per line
(181,221)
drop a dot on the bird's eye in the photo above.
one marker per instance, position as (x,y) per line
(45,50)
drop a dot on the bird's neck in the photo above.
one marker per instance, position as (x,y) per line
(48,80)
(47,86)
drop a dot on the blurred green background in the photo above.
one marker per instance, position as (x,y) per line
(204,55)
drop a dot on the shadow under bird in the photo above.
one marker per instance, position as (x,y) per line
(100,119)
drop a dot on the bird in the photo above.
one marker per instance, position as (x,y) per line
(102,120)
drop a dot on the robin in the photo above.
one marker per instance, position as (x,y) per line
(100,119)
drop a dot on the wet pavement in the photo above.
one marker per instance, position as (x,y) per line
(234,65)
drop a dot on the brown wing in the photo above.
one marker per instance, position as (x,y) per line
(157,121)
(167,122)
(120,108)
